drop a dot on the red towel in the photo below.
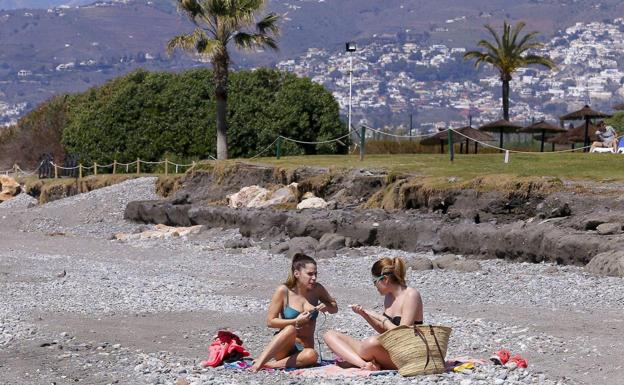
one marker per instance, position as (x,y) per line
(225,345)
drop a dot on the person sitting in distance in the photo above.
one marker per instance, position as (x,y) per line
(294,308)
(402,306)
(607,139)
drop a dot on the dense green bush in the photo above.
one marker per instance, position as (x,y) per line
(149,114)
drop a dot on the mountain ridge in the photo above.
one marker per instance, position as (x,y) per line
(71,49)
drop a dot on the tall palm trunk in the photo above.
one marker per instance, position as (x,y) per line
(505,78)
(220,66)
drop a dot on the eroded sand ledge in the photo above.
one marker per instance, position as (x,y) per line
(527,220)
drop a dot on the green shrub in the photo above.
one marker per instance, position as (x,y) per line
(148,115)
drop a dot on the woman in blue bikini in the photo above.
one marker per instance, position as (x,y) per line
(402,306)
(294,308)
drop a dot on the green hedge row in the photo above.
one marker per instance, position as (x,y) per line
(150,115)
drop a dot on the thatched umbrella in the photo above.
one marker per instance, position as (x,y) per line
(468,133)
(440,138)
(501,126)
(574,135)
(587,114)
(542,127)
(475,135)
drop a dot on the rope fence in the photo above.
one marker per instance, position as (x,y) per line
(17,171)
(135,166)
(419,136)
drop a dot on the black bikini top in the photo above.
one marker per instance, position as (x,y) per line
(397,320)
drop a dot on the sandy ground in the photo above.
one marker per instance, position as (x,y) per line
(143,312)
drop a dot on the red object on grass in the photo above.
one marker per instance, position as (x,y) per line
(519,361)
(501,357)
(224,344)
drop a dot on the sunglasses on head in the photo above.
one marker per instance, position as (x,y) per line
(377,279)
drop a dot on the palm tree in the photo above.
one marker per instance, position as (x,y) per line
(507,54)
(217,23)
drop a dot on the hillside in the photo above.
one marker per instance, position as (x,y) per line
(15,4)
(72,49)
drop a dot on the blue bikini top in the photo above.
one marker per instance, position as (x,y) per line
(290,313)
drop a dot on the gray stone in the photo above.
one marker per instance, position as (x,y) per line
(306,245)
(551,270)
(466,266)
(281,196)
(237,243)
(419,263)
(331,241)
(325,254)
(610,263)
(609,228)
(444,261)
(279,248)
(354,253)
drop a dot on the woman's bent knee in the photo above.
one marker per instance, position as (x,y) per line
(289,330)
(368,346)
(371,342)
(308,356)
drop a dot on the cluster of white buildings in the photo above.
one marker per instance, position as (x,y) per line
(10,112)
(394,78)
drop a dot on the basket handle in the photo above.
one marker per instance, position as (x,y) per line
(419,333)
(435,338)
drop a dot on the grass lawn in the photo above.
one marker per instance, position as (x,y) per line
(601,167)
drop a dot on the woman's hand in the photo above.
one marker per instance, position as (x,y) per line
(358,309)
(322,308)
(302,318)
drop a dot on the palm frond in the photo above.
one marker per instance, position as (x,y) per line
(210,48)
(479,56)
(489,47)
(494,34)
(506,52)
(217,8)
(529,41)
(220,21)
(540,60)
(250,41)
(516,31)
(268,24)
(186,42)
(192,8)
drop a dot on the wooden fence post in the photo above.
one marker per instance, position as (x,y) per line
(278,148)
(451,145)
(94,168)
(193,169)
(114,167)
(138,166)
(166,166)
(362,141)
(80,170)
(55,171)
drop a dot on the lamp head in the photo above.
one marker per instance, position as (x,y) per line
(351,46)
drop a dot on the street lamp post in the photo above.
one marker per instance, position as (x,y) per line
(351,46)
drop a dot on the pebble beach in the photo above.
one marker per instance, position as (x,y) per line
(78,306)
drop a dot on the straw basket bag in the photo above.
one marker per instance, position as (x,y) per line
(418,349)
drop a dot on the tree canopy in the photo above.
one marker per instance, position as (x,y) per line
(217,24)
(507,52)
(148,115)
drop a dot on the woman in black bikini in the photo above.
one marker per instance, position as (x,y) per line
(294,308)
(402,306)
